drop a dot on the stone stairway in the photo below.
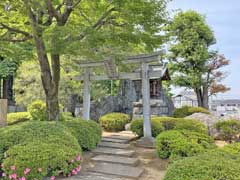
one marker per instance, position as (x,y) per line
(114,159)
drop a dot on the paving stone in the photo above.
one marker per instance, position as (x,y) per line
(94,176)
(114,140)
(116,160)
(112,151)
(117,170)
(114,145)
(122,137)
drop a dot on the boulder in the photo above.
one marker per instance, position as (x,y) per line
(208,119)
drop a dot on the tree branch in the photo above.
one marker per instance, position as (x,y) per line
(15,30)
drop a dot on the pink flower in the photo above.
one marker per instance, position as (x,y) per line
(72,161)
(13,168)
(26,171)
(2,165)
(13,176)
(22,178)
(74,172)
(52,178)
(39,169)
(78,168)
(69,175)
(78,158)
(3,174)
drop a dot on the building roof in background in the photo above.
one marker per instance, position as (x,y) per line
(227,101)
(187,94)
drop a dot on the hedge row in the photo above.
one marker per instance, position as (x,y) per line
(160,124)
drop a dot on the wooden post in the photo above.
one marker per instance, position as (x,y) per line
(3,112)
(86,95)
(146,101)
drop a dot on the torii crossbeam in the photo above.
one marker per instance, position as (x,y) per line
(113,74)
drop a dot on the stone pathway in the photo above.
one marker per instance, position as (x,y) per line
(113,159)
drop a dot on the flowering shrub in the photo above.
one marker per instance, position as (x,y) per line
(37,160)
(88,133)
(114,121)
(36,131)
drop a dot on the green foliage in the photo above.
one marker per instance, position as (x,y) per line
(38,110)
(210,166)
(228,130)
(137,127)
(114,121)
(175,144)
(42,159)
(88,133)
(170,123)
(37,131)
(187,111)
(233,148)
(14,118)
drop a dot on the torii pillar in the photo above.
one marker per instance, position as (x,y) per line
(147,140)
(86,95)
(3,112)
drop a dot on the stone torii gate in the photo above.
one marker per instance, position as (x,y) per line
(112,74)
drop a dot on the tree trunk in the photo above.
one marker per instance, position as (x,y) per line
(202,97)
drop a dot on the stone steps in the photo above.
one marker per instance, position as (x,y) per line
(114,140)
(117,170)
(116,160)
(114,145)
(114,151)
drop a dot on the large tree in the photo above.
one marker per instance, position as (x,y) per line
(87,29)
(194,65)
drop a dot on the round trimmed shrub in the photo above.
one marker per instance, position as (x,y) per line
(137,127)
(38,110)
(37,160)
(114,121)
(47,132)
(14,118)
(173,144)
(170,123)
(207,166)
(228,130)
(88,133)
(187,111)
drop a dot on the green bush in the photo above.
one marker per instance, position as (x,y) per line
(114,121)
(233,148)
(88,133)
(14,118)
(228,130)
(137,127)
(37,160)
(38,110)
(170,123)
(187,111)
(184,143)
(207,166)
(48,133)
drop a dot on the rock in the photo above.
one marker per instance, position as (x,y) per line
(208,120)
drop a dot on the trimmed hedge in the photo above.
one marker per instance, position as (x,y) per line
(187,111)
(208,166)
(56,136)
(228,130)
(114,121)
(37,160)
(38,110)
(137,127)
(232,148)
(14,118)
(170,123)
(174,144)
(88,133)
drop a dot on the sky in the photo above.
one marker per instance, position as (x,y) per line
(224,19)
